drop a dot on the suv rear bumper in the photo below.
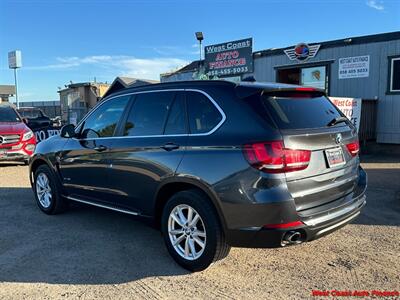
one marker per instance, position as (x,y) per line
(313,226)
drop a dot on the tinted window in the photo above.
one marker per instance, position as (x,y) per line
(7,114)
(301,111)
(203,115)
(103,121)
(34,113)
(148,114)
(176,123)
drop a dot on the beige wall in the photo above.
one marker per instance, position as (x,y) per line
(72,97)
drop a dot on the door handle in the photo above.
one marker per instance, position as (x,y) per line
(170,146)
(100,148)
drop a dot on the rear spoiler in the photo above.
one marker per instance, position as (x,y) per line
(244,91)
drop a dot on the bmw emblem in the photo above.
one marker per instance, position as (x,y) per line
(338,138)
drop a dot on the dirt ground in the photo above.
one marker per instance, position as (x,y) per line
(89,253)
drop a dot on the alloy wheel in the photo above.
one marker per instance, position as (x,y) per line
(187,232)
(43,190)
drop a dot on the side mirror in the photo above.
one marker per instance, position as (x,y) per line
(25,120)
(68,131)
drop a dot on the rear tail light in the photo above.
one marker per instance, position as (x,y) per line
(353,148)
(305,89)
(272,157)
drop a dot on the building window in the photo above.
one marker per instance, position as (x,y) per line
(394,80)
(313,76)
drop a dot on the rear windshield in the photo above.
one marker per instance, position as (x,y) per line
(300,111)
(7,114)
(34,113)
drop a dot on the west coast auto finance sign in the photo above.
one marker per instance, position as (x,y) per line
(229,59)
(351,107)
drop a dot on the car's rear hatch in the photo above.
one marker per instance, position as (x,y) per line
(305,119)
(320,183)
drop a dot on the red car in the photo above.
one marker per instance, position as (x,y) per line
(17,141)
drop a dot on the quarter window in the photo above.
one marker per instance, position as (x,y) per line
(203,115)
(394,84)
(103,121)
(148,114)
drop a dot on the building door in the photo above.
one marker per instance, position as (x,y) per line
(291,76)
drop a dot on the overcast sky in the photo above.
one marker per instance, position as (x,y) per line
(79,40)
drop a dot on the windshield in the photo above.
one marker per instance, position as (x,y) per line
(300,112)
(7,114)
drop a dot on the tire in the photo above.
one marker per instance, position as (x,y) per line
(54,203)
(207,228)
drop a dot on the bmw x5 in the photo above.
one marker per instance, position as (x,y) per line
(213,164)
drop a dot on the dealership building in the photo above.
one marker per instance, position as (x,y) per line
(366,67)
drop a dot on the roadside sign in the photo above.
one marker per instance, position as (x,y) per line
(14,59)
(229,59)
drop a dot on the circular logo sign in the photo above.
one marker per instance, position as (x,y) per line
(302,51)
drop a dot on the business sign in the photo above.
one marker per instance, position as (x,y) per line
(302,52)
(229,59)
(354,67)
(14,59)
(350,107)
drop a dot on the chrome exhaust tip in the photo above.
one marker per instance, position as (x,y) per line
(291,237)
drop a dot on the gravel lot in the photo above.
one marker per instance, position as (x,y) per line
(91,253)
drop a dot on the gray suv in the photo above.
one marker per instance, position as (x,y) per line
(213,164)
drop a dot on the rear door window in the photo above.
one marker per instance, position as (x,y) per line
(203,115)
(149,114)
(299,111)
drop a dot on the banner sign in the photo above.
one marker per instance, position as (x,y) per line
(354,67)
(43,134)
(350,107)
(229,59)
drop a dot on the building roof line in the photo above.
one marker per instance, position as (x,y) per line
(373,38)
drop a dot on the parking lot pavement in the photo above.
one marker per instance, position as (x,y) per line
(89,253)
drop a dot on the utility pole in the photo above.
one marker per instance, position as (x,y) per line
(16,87)
(200,38)
(15,62)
